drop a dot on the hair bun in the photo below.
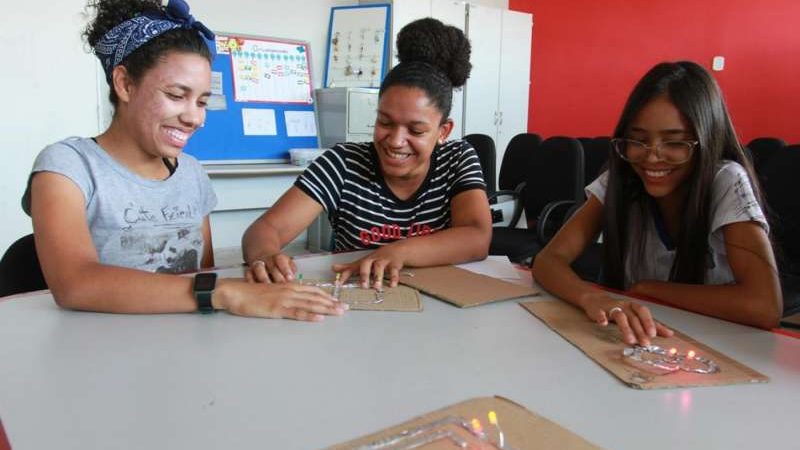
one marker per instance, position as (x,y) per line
(110,13)
(442,46)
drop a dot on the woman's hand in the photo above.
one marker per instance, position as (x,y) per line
(278,268)
(278,300)
(385,261)
(634,320)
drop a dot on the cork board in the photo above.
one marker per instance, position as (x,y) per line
(400,298)
(522,429)
(604,345)
(462,287)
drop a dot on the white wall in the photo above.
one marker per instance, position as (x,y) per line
(51,87)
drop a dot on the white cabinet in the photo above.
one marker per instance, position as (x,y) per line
(515,77)
(244,192)
(495,99)
(346,114)
(496,95)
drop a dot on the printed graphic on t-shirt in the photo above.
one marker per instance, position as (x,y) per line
(747,204)
(385,234)
(167,239)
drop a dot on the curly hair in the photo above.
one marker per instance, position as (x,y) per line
(110,13)
(433,57)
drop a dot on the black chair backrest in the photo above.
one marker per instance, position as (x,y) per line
(762,149)
(595,156)
(516,159)
(555,172)
(19,268)
(487,155)
(779,178)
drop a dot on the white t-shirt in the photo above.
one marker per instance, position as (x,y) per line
(732,200)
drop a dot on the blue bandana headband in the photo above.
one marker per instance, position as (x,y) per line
(131,34)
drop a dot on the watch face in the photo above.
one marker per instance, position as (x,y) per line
(204,282)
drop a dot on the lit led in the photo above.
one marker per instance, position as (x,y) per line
(476,426)
(493,417)
(690,354)
(673,351)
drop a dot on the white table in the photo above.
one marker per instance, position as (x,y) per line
(76,380)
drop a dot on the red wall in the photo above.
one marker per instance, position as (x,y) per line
(588,54)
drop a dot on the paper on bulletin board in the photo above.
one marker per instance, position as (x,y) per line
(270,71)
(216,83)
(259,122)
(300,123)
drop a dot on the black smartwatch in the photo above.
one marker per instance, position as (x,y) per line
(203,288)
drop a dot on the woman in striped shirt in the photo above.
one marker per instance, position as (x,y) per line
(411,195)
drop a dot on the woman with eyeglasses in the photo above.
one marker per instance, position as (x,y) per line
(680,213)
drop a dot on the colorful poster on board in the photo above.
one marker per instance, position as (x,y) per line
(268,71)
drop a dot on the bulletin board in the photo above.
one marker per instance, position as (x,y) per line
(358,45)
(261,104)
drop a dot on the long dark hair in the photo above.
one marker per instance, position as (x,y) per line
(110,13)
(695,93)
(434,57)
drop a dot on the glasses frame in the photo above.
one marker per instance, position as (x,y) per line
(657,148)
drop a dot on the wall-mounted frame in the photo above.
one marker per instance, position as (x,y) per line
(358,45)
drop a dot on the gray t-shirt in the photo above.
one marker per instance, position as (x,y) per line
(152,225)
(732,200)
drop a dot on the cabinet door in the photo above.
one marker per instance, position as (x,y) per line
(453,13)
(403,13)
(481,92)
(362,109)
(515,69)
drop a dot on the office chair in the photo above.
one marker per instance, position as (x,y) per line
(763,149)
(595,156)
(19,268)
(487,155)
(558,187)
(513,171)
(779,176)
(553,184)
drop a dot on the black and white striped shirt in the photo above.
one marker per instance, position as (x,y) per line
(363,211)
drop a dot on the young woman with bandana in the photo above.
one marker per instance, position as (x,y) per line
(410,195)
(114,216)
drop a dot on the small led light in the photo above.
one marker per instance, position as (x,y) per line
(691,354)
(673,351)
(493,417)
(476,426)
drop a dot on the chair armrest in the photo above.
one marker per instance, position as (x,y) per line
(546,216)
(516,194)
(513,194)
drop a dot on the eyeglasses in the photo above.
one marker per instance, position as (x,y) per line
(671,152)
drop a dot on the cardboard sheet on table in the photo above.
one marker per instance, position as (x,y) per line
(523,429)
(792,321)
(400,298)
(462,287)
(604,345)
